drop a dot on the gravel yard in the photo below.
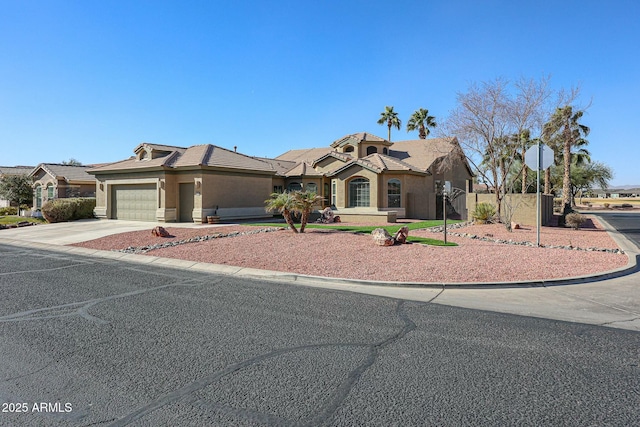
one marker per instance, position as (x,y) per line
(340,254)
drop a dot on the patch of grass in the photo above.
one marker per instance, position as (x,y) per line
(14,219)
(367,229)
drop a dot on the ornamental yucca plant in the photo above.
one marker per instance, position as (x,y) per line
(484,212)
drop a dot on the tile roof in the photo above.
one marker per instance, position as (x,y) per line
(15,170)
(422,153)
(206,155)
(302,169)
(356,138)
(304,155)
(66,172)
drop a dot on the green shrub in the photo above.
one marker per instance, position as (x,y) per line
(575,220)
(9,210)
(484,212)
(59,210)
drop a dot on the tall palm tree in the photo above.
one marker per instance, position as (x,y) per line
(390,117)
(284,203)
(422,121)
(565,127)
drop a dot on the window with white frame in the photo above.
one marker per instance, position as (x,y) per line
(359,193)
(334,191)
(394,193)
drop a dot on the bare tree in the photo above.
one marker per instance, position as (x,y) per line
(489,121)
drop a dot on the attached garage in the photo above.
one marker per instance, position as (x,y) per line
(135,202)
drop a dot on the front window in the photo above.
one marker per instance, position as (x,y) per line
(38,197)
(294,186)
(278,189)
(359,193)
(49,192)
(334,191)
(393,193)
(312,187)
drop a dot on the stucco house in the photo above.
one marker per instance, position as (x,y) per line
(169,183)
(13,170)
(360,175)
(369,177)
(56,181)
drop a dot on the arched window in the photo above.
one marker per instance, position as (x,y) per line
(371,150)
(38,197)
(312,187)
(385,150)
(359,193)
(294,186)
(393,193)
(348,149)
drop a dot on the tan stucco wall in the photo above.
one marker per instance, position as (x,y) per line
(419,197)
(523,206)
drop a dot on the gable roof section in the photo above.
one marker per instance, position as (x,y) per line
(422,153)
(379,163)
(333,154)
(67,172)
(304,155)
(302,169)
(206,155)
(357,138)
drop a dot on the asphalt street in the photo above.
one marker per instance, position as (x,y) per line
(92,341)
(627,223)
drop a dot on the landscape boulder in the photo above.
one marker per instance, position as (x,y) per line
(381,237)
(401,235)
(159,232)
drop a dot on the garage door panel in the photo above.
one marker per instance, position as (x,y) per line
(135,202)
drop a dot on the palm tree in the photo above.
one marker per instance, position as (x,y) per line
(564,125)
(304,203)
(389,117)
(285,203)
(422,121)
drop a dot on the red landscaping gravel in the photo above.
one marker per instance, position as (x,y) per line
(333,253)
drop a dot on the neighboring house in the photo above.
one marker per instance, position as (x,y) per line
(167,183)
(13,170)
(360,175)
(56,181)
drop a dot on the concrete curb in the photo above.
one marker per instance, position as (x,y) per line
(629,247)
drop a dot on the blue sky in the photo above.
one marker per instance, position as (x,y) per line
(91,80)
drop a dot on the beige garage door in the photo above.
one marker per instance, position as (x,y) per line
(134,202)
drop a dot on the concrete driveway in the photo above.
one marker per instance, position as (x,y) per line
(66,233)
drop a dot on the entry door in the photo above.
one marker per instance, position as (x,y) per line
(187,192)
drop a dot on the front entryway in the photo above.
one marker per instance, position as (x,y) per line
(187,191)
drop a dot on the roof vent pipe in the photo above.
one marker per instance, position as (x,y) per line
(235,148)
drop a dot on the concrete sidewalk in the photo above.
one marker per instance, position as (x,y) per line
(612,299)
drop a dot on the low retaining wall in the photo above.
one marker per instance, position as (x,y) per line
(522,205)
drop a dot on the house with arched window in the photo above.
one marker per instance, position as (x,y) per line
(361,176)
(364,176)
(56,181)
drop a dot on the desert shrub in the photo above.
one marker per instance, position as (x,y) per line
(84,207)
(575,220)
(9,210)
(484,212)
(606,205)
(626,205)
(59,210)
